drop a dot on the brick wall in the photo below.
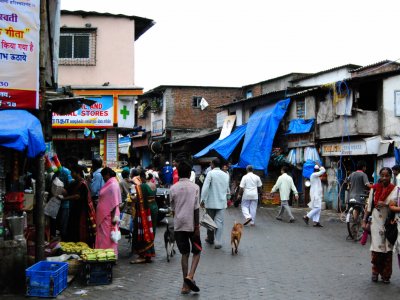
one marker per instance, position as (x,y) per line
(182,114)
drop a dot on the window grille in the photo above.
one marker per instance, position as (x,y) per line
(77,47)
(301,109)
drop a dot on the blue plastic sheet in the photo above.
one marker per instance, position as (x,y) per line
(260,133)
(226,146)
(298,126)
(21,131)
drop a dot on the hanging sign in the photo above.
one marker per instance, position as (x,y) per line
(19,54)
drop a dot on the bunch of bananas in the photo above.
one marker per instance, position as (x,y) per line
(71,247)
(100,255)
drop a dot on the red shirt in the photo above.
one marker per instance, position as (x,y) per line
(175,176)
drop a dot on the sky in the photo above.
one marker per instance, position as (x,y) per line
(236,42)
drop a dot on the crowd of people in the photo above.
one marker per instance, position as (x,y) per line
(91,203)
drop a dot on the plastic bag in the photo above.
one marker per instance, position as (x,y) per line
(115,235)
(52,207)
(57,187)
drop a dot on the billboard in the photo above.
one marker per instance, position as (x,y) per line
(19,54)
(100,114)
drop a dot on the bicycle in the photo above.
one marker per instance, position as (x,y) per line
(354,225)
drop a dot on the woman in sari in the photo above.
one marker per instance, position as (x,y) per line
(107,211)
(380,196)
(82,216)
(145,221)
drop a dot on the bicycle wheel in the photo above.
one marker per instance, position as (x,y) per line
(354,226)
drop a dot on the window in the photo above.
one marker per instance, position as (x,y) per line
(249,94)
(301,109)
(78,47)
(196,101)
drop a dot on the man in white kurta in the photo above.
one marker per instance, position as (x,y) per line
(315,196)
(250,187)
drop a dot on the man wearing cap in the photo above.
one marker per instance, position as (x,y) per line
(315,196)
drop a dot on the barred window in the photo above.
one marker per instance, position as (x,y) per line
(301,109)
(77,46)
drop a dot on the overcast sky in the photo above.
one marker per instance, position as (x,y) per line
(240,42)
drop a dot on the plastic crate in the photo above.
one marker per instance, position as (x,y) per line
(46,279)
(97,273)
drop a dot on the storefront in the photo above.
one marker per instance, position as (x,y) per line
(93,129)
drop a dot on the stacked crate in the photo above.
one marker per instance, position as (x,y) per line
(267,198)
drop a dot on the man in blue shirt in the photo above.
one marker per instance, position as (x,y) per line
(167,172)
(97,180)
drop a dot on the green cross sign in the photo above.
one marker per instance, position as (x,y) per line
(124,112)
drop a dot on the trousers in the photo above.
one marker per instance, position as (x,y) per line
(285,206)
(218,216)
(315,213)
(249,209)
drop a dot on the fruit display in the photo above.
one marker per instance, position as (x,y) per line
(99,255)
(71,248)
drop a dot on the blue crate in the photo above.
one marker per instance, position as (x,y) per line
(46,279)
(97,273)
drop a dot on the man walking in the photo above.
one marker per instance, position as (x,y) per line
(185,206)
(315,196)
(250,188)
(285,184)
(213,197)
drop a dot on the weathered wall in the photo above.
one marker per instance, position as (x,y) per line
(114,52)
(362,123)
(391,123)
(328,77)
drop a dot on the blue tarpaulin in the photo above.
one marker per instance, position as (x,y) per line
(298,126)
(226,146)
(260,133)
(21,131)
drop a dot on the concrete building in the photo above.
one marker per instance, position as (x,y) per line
(97,61)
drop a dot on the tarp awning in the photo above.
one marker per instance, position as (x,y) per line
(226,146)
(299,126)
(260,133)
(21,131)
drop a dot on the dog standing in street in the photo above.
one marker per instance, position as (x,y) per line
(236,235)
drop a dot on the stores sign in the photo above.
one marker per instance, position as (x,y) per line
(19,54)
(349,148)
(100,114)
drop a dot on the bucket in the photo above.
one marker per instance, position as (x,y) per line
(16,225)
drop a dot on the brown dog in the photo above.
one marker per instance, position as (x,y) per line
(236,235)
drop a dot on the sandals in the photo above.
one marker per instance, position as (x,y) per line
(374,277)
(139,261)
(185,291)
(192,284)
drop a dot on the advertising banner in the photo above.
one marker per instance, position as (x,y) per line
(19,54)
(126,112)
(100,114)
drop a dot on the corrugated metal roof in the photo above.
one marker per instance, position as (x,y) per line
(370,66)
(141,24)
(350,66)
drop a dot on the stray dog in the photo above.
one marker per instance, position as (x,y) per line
(236,235)
(169,240)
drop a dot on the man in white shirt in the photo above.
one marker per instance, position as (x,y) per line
(285,184)
(250,187)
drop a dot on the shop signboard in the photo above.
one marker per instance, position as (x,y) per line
(100,114)
(126,111)
(345,148)
(111,146)
(300,140)
(19,54)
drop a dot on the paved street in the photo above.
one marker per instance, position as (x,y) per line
(276,260)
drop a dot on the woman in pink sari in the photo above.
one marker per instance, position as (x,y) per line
(107,211)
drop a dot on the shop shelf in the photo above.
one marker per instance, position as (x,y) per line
(46,279)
